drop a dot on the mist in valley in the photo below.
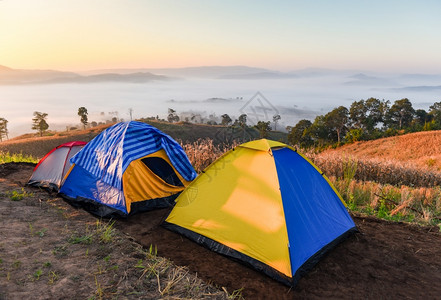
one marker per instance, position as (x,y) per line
(203,92)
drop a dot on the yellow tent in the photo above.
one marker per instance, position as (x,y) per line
(266,205)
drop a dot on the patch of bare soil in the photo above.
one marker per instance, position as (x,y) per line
(50,250)
(385,260)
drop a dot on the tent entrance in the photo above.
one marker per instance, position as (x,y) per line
(151,177)
(162,169)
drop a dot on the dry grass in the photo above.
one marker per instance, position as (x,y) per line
(37,147)
(388,189)
(421,149)
(412,159)
(380,170)
(392,165)
(203,152)
(404,203)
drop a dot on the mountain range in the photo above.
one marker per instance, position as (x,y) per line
(9,76)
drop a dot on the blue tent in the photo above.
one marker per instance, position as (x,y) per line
(129,167)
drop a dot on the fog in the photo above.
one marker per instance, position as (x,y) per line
(293,98)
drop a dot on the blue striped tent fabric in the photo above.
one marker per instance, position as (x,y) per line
(108,155)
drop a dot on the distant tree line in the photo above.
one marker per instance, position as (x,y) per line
(264,127)
(364,120)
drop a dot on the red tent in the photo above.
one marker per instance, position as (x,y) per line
(52,168)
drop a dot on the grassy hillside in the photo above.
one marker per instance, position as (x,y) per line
(421,149)
(32,144)
(395,178)
(189,132)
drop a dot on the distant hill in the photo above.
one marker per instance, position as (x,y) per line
(111,77)
(31,144)
(363,79)
(422,88)
(196,72)
(421,77)
(260,75)
(229,72)
(422,149)
(5,69)
(10,76)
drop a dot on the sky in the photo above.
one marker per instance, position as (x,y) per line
(391,36)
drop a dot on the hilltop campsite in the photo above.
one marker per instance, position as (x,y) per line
(52,249)
(220,149)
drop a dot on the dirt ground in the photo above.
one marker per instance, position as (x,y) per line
(50,250)
(384,260)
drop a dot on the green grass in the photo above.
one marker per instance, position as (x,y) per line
(16,264)
(102,232)
(105,231)
(38,274)
(84,239)
(18,195)
(6,157)
(41,232)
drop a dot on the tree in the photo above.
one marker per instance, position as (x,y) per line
(353,135)
(421,118)
(115,115)
(400,114)
(82,112)
(172,116)
(3,129)
(367,114)
(226,120)
(337,120)
(242,121)
(376,111)
(435,112)
(358,114)
(276,119)
(39,122)
(319,131)
(298,134)
(264,128)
